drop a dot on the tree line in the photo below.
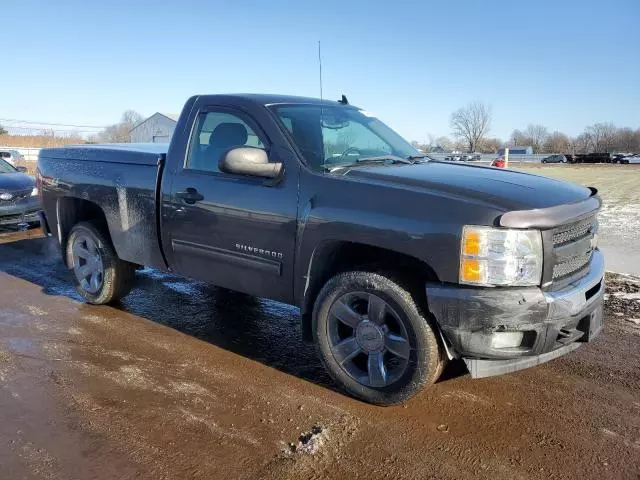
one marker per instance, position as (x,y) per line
(470,127)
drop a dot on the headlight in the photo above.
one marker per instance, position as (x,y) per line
(34,192)
(492,257)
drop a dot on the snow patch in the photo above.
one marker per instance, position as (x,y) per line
(627,296)
(33,310)
(309,443)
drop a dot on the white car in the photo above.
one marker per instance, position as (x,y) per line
(631,159)
(11,156)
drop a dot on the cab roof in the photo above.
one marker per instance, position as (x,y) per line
(275,99)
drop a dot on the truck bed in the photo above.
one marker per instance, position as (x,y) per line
(121,180)
(134,153)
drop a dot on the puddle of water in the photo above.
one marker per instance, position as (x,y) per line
(20,345)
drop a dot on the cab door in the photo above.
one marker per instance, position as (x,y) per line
(235,231)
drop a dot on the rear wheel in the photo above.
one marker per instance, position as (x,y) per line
(98,274)
(373,339)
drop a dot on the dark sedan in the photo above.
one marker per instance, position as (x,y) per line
(554,159)
(19,200)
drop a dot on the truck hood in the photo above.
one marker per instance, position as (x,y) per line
(504,189)
(15,182)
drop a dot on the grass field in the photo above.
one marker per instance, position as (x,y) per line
(619,188)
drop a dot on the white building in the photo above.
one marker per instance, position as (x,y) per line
(158,128)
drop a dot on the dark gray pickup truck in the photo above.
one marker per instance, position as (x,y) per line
(397,262)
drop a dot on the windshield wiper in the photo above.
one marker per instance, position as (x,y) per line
(383,158)
(367,161)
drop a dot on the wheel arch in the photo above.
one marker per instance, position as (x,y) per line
(336,256)
(71,211)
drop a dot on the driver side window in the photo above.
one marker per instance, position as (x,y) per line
(215,133)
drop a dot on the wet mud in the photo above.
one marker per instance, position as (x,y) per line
(183,380)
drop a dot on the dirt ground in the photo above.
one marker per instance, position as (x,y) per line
(185,381)
(618,186)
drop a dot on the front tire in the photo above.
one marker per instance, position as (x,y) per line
(373,339)
(99,276)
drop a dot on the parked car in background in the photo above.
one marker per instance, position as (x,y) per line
(554,159)
(11,156)
(19,201)
(462,157)
(629,159)
(498,162)
(592,158)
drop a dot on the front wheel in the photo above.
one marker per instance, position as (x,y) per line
(373,339)
(98,274)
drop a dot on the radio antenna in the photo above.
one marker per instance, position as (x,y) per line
(320,65)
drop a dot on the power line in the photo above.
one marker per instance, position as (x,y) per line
(51,124)
(36,129)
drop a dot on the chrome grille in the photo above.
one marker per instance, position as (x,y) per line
(569,267)
(574,232)
(574,264)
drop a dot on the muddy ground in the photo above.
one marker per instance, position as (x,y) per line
(185,381)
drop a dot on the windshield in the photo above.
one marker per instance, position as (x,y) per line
(331,136)
(5,167)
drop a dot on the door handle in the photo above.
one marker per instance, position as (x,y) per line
(190,196)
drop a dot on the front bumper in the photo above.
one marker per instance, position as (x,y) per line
(479,323)
(24,212)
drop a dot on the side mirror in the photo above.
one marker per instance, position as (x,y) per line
(249,161)
(21,169)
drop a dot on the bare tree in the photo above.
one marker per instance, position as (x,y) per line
(626,140)
(583,143)
(557,142)
(536,134)
(121,132)
(445,143)
(490,145)
(131,118)
(602,136)
(517,139)
(471,124)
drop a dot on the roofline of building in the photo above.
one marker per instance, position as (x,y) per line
(151,116)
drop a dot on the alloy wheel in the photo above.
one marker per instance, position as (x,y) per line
(368,339)
(87,263)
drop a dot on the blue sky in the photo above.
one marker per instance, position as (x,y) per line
(562,63)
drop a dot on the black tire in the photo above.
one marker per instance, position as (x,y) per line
(117,277)
(425,356)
